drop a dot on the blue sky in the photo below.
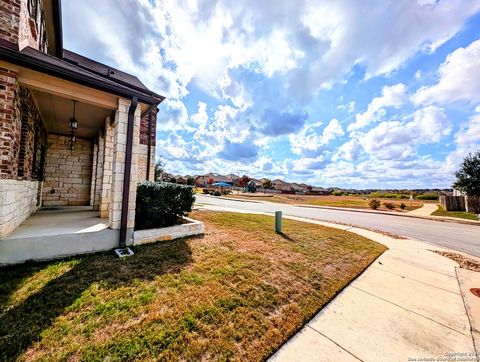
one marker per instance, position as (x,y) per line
(364,94)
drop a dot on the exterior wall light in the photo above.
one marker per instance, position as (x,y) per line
(73,123)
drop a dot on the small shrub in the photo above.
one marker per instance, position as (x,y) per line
(389,205)
(374,204)
(217,193)
(403,196)
(161,204)
(427,197)
(205,191)
(403,206)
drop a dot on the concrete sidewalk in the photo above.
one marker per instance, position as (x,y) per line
(425,210)
(407,305)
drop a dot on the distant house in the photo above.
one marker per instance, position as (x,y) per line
(202,181)
(281,185)
(298,189)
(319,191)
(165,177)
(458,193)
(181,180)
(234,179)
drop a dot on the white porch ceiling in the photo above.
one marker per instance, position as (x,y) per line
(56,112)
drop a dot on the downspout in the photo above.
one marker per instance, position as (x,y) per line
(127,174)
(149,151)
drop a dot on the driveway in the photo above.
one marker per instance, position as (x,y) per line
(461,237)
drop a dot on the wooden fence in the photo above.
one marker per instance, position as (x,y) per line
(453,203)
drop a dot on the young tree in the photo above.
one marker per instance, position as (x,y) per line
(468,176)
(159,169)
(243,181)
(267,184)
(190,180)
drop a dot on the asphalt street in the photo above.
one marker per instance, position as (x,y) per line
(461,237)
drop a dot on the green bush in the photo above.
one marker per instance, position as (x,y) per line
(217,193)
(205,191)
(161,204)
(427,197)
(374,204)
(389,205)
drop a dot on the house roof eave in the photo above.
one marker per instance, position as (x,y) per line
(40,62)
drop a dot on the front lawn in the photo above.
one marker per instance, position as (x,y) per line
(458,214)
(237,293)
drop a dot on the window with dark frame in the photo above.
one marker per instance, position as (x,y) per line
(35,162)
(32,8)
(40,25)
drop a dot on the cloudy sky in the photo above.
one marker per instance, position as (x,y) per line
(377,93)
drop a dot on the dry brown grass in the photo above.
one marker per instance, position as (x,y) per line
(355,202)
(463,261)
(238,293)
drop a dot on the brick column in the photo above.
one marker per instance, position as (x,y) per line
(118,165)
(10,20)
(10,124)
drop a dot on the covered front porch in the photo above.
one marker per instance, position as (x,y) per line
(76,186)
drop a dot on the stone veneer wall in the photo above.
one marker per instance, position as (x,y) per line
(67,173)
(142,163)
(118,165)
(18,199)
(106,176)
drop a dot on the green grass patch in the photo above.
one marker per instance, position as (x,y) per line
(458,214)
(237,293)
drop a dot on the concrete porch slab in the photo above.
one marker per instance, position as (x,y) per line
(53,234)
(66,220)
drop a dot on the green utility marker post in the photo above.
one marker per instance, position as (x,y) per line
(278,222)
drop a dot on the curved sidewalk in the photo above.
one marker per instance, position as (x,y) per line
(425,210)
